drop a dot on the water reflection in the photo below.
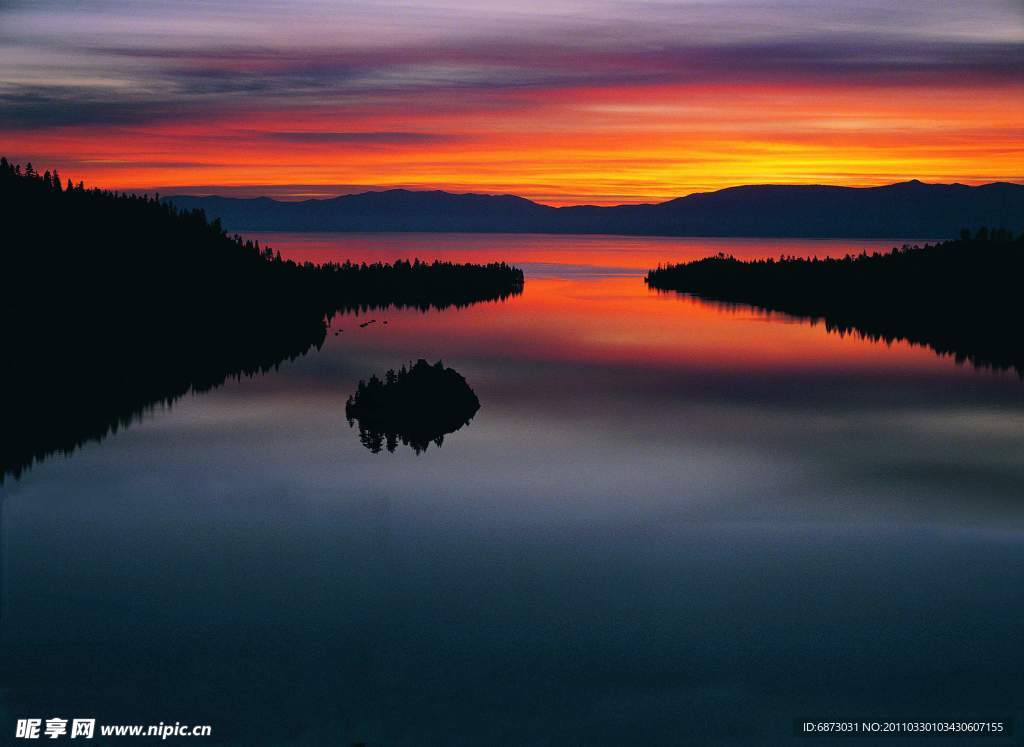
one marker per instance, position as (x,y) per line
(984,344)
(550,255)
(118,382)
(74,390)
(667,524)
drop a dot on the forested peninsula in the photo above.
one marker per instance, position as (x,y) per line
(114,303)
(960,298)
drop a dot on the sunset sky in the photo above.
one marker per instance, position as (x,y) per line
(562,101)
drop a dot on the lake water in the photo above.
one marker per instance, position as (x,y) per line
(670,521)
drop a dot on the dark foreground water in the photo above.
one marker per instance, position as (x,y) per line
(669,521)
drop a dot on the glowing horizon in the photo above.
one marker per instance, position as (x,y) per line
(562,102)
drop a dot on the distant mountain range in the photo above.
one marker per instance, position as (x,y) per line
(908,209)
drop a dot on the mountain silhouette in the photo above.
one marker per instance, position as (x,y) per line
(907,209)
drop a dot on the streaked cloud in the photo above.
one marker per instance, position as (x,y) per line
(371,138)
(453,91)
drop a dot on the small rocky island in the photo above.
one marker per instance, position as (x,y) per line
(415,406)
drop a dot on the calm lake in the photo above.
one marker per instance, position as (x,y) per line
(670,520)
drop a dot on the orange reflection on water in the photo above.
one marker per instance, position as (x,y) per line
(560,253)
(618,321)
(585,301)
